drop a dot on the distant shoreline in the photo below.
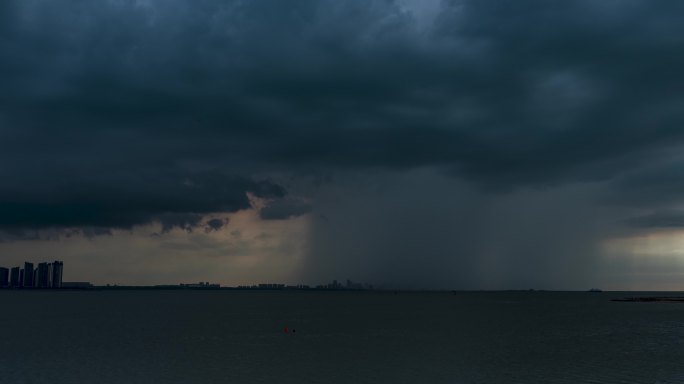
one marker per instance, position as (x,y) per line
(672,299)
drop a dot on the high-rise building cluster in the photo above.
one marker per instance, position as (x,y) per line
(45,275)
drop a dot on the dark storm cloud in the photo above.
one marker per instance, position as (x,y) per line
(656,184)
(108,107)
(184,221)
(283,209)
(95,231)
(175,201)
(661,219)
(215,224)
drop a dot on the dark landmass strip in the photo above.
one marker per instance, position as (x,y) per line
(651,299)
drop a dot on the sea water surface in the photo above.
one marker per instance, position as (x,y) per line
(341,337)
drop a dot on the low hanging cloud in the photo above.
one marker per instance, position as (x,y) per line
(673,219)
(283,209)
(112,203)
(215,224)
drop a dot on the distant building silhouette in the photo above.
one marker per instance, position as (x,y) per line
(46,275)
(49,275)
(201,284)
(28,275)
(56,279)
(42,275)
(271,286)
(76,284)
(15,277)
(4,277)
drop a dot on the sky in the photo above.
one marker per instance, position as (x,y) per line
(424,144)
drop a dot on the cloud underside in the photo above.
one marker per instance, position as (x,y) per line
(121,113)
(169,201)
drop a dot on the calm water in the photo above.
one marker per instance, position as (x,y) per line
(341,337)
